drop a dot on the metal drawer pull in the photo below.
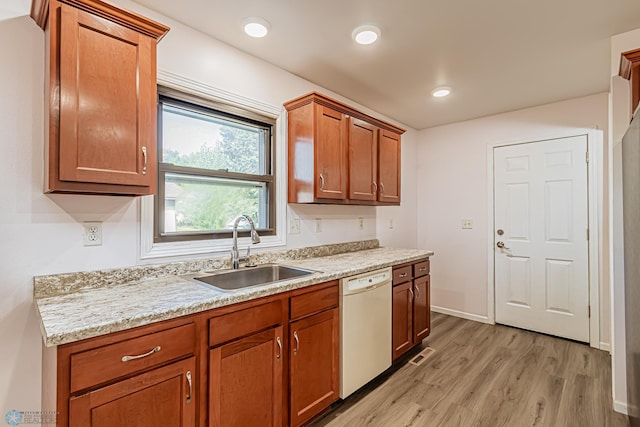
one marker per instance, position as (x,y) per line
(140,356)
(381,188)
(401,275)
(188,375)
(423,268)
(279,349)
(321,182)
(412,296)
(417,291)
(375,187)
(295,337)
(144,165)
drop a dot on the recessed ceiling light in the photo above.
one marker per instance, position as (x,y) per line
(440,92)
(256,27)
(366,34)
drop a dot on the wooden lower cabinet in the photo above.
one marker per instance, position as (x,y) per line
(411,306)
(402,309)
(314,365)
(245,381)
(267,362)
(421,309)
(163,397)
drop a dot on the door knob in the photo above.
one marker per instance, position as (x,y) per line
(501,245)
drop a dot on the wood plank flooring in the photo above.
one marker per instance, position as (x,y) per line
(487,375)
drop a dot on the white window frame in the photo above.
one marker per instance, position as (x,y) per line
(150,249)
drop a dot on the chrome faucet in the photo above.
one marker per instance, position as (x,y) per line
(255,238)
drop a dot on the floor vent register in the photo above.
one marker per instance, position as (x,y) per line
(422,356)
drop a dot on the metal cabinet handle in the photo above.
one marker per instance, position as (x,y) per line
(381,188)
(417,291)
(412,296)
(140,356)
(375,187)
(501,245)
(321,182)
(401,275)
(144,165)
(188,375)
(423,269)
(279,355)
(295,337)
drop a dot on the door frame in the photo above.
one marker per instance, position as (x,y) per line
(594,210)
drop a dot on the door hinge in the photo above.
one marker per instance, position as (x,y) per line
(589,311)
(586,155)
(587,234)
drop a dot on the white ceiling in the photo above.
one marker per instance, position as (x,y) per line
(497,55)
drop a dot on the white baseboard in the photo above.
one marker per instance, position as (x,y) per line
(620,407)
(464,315)
(605,346)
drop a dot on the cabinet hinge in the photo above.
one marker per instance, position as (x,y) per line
(586,155)
(587,234)
(589,311)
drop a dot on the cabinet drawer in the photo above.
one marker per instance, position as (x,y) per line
(314,302)
(402,274)
(244,322)
(110,362)
(421,268)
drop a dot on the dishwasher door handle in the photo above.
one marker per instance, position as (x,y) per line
(347,292)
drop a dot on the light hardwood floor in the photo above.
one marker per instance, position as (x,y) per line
(486,375)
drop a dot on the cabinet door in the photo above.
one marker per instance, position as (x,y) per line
(402,318)
(363,160)
(314,365)
(245,380)
(389,167)
(421,309)
(163,397)
(107,102)
(331,154)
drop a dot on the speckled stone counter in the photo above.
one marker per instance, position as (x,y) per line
(76,306)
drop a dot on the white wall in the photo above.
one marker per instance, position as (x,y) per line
(452,174)
(41,234)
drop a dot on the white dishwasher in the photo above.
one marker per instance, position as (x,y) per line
(365,328)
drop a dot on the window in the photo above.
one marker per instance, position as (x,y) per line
(215,162)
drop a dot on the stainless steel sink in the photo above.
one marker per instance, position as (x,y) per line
(230,280)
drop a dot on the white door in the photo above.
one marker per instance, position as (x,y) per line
(541,237)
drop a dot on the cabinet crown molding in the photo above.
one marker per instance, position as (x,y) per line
(132,20)
(343,108)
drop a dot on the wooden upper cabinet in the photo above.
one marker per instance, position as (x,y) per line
(102,106)
(363,160)
(336,154)
(630,70)
(330,153)
(389,169)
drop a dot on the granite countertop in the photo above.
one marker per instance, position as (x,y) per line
(77,306)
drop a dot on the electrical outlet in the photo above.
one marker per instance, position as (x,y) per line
(391,224)
(361,223)
(92,235)
(318,225)
(294,226)
(467,224)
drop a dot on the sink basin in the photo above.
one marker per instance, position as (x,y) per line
(230,280)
